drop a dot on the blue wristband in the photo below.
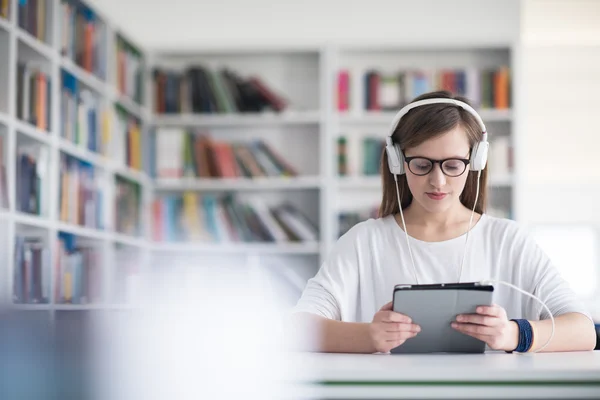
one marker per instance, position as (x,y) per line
(525,335)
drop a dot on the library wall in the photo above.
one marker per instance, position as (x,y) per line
(311,22)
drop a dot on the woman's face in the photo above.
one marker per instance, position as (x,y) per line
(437,192)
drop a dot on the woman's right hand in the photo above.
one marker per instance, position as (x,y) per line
(390,329)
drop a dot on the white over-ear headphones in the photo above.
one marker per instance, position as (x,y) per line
(479,152)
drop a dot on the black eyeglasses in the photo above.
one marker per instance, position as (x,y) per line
(451,167)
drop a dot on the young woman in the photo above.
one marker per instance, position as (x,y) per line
(347,307)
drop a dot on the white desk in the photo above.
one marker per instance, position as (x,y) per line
(490,375)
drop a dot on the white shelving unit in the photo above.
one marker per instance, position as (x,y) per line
(17,45)
(306,135)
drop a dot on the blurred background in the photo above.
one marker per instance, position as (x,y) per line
(146,143)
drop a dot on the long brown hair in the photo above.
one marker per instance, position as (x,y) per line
(419,125)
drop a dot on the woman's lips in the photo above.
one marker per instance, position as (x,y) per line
(436,196)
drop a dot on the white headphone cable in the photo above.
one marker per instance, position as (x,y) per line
(490,281)
(405,231)
(469,228)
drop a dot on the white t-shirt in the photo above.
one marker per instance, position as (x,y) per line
(359,275)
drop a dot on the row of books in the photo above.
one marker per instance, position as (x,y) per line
(33,17)
(81,199)
(129,70)
(202,90)
(182,153)
(348,219)
(211,219)
(356,156)
(78,275)
(127,139)
(83,37)
(33,95)
(32,189)
(87,125)
(78,271)
(5,8)
(32,269)
(3,178)
(127,206)
(485,88)
(81,115)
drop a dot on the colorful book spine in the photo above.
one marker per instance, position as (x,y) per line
(484,88)
(202,90)
(83,37)
(128,207)
(194,154)
(32,269)
(127,149)
(32,16)
(80,196)
(206,218)
(34,95)
(129,68)
(78,270)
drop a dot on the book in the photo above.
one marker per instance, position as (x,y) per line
(129,69)
(34,95)
(127,149)
(5,8)
(31,274)
(32,191)
(80,196)
(78,271)
(128,207)
(343,90)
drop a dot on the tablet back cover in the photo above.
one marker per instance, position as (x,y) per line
(434,310)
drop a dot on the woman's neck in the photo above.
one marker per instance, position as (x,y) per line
(438,227)
(416,215)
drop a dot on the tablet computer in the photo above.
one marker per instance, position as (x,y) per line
(434,308)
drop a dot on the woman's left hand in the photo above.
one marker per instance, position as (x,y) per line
(490,325)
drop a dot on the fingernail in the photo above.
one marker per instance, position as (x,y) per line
(454,324)
(418,329)
(459,318)
(479,309)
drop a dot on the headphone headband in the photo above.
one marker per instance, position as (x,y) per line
(458,103)
(479,151)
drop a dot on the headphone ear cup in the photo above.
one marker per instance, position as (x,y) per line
(479,156)
(401,158)
(395,159)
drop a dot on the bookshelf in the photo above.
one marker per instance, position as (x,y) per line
(320,125)
(119,82)
(57,119)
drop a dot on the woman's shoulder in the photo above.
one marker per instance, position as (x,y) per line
(503,227)
(366,230)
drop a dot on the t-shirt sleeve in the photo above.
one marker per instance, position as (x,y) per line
(332,292)
(546,282)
